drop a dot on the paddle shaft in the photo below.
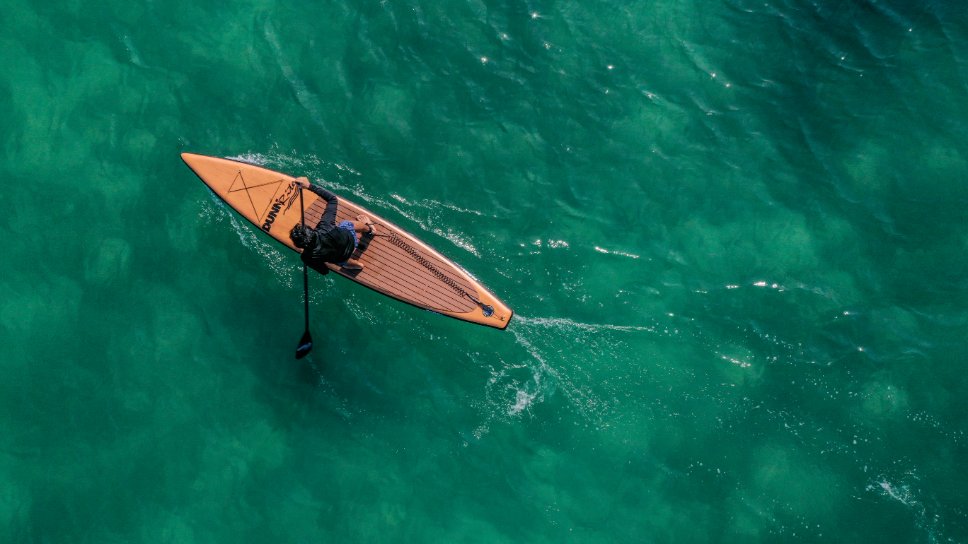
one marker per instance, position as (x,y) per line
(306,342)
(302,218)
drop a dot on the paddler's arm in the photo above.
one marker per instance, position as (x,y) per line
(329,215)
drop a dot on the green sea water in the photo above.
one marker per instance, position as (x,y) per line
(734,235)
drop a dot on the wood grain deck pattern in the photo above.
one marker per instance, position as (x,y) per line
(390,269)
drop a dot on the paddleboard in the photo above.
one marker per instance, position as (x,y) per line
(395,263)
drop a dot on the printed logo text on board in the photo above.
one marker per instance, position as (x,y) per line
(286,199)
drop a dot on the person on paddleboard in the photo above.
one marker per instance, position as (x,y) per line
(329,242)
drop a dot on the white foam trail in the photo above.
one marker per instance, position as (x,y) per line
(452,237)
(562,323)
(251,158)
(616,252)
(458,241)
(433,205)
(589,406)
(929,521)
(902,494)
(345,168)
(294,162)
(522,400)
(553,244)
(362,313)
(735,361)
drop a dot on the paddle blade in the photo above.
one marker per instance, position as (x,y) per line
(305,345)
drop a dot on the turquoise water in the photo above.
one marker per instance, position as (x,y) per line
(734,235)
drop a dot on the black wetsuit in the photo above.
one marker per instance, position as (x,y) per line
(329,244)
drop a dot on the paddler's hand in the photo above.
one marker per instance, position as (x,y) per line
(302,182)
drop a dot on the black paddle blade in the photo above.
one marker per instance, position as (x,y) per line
(305,345)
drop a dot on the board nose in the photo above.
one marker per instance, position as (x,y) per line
(191,159)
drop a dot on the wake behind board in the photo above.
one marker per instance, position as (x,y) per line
(394,262)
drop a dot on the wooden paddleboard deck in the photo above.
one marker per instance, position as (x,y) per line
(395,263)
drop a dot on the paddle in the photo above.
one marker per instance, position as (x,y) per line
(306,342)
